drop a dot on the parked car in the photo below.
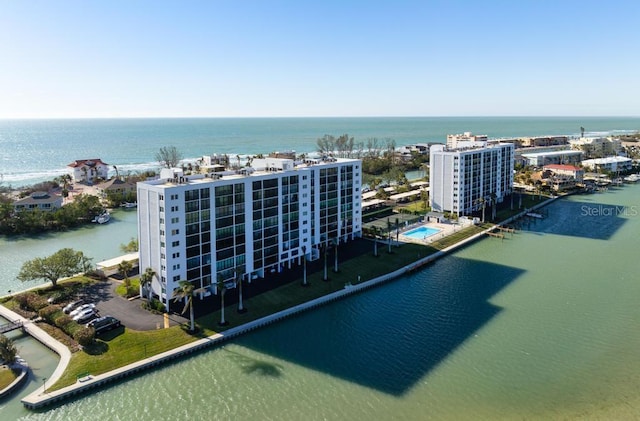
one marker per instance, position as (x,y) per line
(72,305)
(82,308)
(82,318)
(104,323)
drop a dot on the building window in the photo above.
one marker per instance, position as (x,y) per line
(175,244)
(175,232)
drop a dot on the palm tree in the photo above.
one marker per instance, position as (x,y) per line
(185,292)
(304,266)
(117,173)
(124,267)
(238,275)
(494,203)
(389,234)
(222,288)
(326,251)
(145,281)
(335,254)
(375,240)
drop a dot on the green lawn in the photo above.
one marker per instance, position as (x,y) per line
(7,376)
(121,347)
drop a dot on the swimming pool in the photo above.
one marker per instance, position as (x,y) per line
(421,233)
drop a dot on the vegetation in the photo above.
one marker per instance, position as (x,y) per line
(8,350)
(124,347)
(146,278)
(7,376)
(184,292)
(168,156)
(82,210)
(63,263)
(130,290)
(130,247)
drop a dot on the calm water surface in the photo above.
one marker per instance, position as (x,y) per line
(542,325)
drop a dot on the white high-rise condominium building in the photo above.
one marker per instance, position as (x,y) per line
(244,223)
(460,180)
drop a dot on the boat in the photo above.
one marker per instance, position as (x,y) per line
(102,218)
(129,205)
(632,178)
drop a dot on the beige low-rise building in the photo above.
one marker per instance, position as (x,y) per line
(38,201)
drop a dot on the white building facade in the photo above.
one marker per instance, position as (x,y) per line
(245,223)
(462,179)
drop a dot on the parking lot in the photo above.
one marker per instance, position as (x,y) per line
(129,312)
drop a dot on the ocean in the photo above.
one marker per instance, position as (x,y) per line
(32,151)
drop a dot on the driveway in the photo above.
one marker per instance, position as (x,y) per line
(129,312)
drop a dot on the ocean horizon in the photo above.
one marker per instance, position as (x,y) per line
(35,150)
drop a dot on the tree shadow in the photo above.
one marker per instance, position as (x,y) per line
(97,348)
(251,365)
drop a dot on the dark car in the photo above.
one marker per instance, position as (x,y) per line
(104,323)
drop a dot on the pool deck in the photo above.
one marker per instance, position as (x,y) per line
(443,231)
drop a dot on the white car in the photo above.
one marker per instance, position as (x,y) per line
(84,314)
(72,305)
(82,308)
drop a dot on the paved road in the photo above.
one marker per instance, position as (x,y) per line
(129,312)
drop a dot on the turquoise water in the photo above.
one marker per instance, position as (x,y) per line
(99,242)
(542,325)
(35,150)
(421,232)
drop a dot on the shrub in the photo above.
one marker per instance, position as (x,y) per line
(154,306)
(48,313)
(85,335)
(21,299)
(62,321)
(31,301)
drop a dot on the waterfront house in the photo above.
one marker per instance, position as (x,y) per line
(245,223)
(596,147)
(38,201)
(609,164)
(88,170)
(539,159)
(572,171)
(116,188)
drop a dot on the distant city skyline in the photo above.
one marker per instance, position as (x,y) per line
(95,59)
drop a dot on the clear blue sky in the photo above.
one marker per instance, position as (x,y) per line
(211,58)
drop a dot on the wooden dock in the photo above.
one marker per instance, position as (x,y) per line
(496,234)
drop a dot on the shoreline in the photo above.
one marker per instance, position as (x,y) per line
(39,399)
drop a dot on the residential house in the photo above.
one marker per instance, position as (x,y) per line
(89,170)
(38,200)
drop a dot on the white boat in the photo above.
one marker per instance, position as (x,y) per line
(102,219)
(129,205)
(632,178)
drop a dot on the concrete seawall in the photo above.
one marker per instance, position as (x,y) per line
(38,399)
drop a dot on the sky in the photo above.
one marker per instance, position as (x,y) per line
(129,58)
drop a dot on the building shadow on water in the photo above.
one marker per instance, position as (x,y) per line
(585,219)
(388,338)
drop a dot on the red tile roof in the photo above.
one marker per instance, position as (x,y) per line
(89,162)
(562,167)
